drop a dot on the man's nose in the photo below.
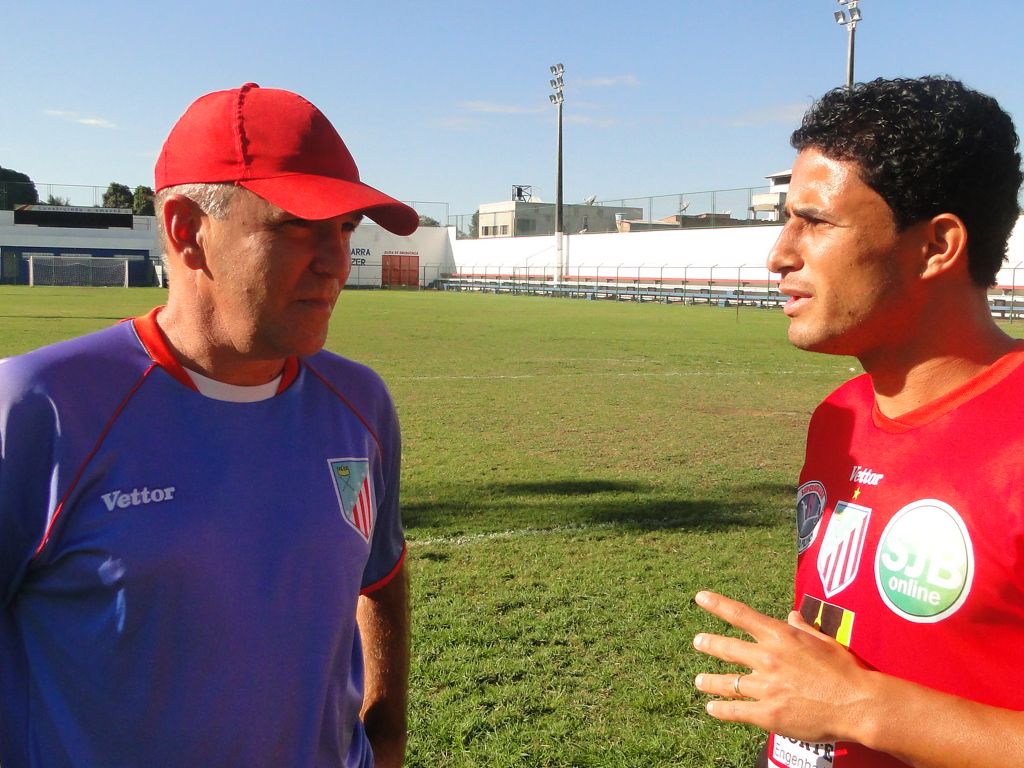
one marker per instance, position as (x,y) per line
(783,256)
(333,253)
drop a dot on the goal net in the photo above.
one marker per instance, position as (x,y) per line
(46,269)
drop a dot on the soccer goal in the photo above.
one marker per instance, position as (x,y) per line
(49,269)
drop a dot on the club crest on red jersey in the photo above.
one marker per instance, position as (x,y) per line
(355,493)
(810,504)
(841,547)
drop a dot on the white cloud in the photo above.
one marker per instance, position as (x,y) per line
(75,117)
(787,114)
(606,82)
(98,122)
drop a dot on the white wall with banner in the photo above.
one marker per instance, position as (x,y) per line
(688,254)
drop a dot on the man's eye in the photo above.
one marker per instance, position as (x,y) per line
(296,223)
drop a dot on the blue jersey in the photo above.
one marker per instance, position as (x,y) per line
(179,574)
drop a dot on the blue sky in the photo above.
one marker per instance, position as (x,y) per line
(448,101)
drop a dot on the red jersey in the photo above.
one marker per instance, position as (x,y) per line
(911,543)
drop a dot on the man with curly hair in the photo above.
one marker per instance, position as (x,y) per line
(909,606)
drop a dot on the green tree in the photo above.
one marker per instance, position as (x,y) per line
(53,199)
(117,196)
(142,201)
(474,224)
(427,221)
(16,189)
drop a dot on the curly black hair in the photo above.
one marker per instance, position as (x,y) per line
(927,145)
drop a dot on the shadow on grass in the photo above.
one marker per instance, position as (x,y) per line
(569,487)
(511,506)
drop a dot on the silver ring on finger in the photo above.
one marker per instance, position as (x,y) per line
(736,684)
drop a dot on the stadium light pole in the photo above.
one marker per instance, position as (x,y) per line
(851,27)
(557,98)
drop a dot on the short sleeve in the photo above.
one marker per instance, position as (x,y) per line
(387,546)
(28,477)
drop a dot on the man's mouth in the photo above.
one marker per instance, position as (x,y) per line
(797,300)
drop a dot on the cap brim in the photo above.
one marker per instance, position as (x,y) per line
(323,197)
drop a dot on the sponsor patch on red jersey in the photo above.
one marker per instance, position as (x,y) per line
(810,504)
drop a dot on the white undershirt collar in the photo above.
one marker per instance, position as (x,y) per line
(233,393)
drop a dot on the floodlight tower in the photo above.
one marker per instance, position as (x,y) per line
(851,27)
(557,98)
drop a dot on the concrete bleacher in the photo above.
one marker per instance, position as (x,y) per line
(1004,302)
(719,292)
(695,266)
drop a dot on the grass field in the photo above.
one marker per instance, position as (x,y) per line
(574,472)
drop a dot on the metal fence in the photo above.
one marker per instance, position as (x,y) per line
(712,206)
(706,209)
(370,274)
(742,285)
(432,213)
(12,193)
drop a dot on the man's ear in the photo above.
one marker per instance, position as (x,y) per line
(945,246)
(183,220)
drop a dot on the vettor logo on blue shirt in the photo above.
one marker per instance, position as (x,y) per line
(118,499)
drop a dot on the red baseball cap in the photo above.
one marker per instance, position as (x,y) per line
(279,146)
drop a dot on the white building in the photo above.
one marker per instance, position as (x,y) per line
(772,202)
(519,218)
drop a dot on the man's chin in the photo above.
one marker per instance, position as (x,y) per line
(309,348)
(301,345)
(806,338)
(824,345)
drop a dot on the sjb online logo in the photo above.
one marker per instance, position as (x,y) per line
(924,565)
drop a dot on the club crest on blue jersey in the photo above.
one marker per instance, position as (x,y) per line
(355,493)
(810,504)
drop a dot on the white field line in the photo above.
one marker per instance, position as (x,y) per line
(573,375)
(523,533)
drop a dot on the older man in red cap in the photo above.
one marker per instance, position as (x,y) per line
(201,554)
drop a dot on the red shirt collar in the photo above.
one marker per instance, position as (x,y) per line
(970,389)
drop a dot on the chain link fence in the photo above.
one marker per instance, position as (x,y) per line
(684,210)
(15,193)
